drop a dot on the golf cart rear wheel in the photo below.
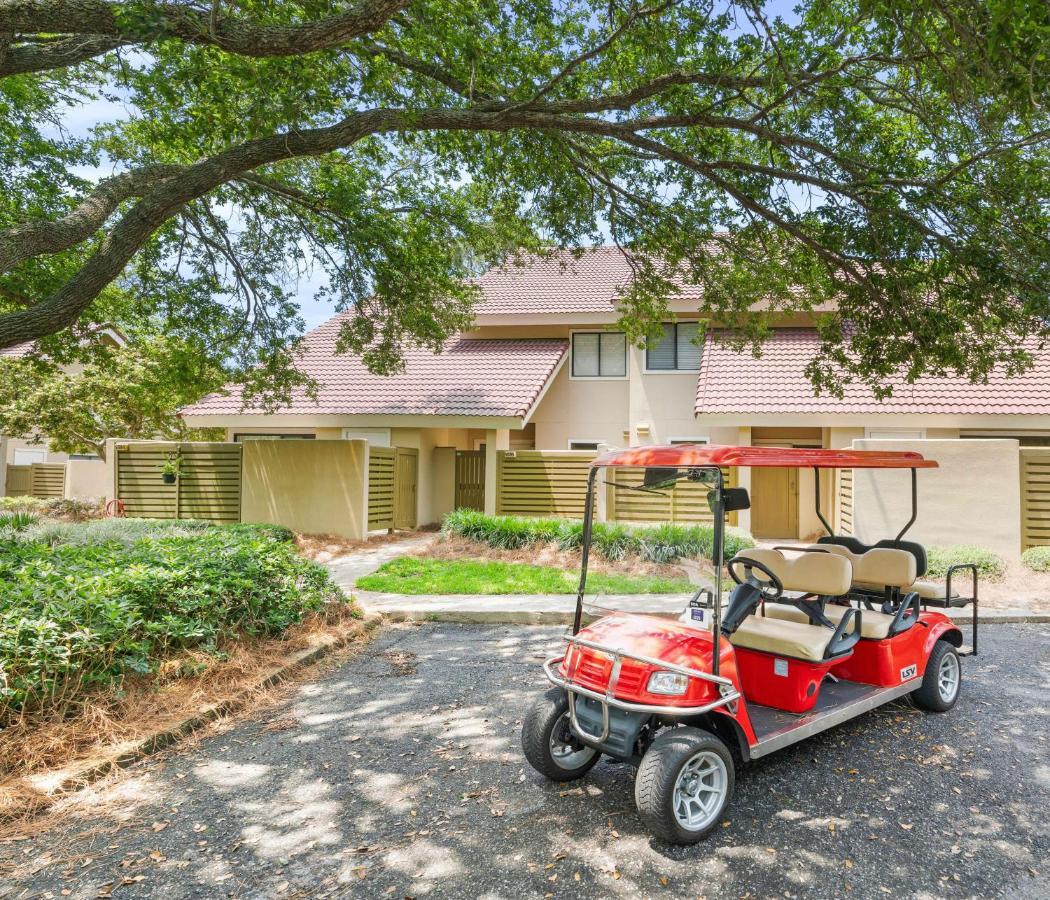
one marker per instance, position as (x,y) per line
(941,682)
(549,744)
(684,784)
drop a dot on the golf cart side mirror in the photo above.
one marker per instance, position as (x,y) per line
(659,478)
(733,499)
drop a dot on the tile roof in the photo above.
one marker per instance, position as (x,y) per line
(560,283)
(17,351)
(469,378)
(731,382)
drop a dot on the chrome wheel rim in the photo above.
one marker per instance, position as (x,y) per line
(700,791)
(564,754)
(948,677)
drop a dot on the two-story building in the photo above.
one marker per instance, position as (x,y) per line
(545,368)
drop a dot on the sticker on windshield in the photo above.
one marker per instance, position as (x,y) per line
(780,667)
(909,672)
(697,614)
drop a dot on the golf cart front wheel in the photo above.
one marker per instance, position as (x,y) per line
(941,682)
(549,744)
(684,784)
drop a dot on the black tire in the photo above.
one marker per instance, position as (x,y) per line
(931,694)
(654,786)
(546,725)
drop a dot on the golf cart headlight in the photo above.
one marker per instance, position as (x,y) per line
(667,683)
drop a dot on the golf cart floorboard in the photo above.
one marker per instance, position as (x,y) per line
(838,702)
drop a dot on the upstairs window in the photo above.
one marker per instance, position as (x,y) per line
(599,354)
(675,349)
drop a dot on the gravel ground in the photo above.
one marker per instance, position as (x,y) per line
(398,774)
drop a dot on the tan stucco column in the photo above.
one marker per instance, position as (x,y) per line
(743,475)
(496,439)
(111,468)
(3,466)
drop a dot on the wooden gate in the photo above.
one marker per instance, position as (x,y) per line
(208,486)
(1035,497)
(470,479)
(381,488)
(406,473)
(19,481)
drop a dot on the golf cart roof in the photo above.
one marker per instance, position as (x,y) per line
(693,455)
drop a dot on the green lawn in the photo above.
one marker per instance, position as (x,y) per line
(411,575)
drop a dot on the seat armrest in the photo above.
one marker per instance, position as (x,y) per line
(901,620)
(841,642)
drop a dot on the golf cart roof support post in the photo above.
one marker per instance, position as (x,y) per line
(585,549)
(914,505)
(816,492)
(719,512)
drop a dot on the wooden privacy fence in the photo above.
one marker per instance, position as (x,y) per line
(43,480)
(19,481)
(208,486)
(470,479)
(1035,497)
(542,482)
(685,503)
(845,500)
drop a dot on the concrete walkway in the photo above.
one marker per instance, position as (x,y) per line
(557,609)
(347,569)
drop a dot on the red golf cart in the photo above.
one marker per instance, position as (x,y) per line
(808,638)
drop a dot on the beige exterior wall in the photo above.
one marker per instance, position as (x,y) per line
(973,498)
(87,479)
(584,409)
(316,487)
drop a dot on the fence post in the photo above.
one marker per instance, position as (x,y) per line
(496,439)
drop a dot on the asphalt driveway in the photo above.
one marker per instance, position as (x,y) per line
(398,774)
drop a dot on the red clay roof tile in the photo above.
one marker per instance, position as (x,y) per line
(731,382)
(469,378)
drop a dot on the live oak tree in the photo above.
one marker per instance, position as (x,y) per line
(884,162)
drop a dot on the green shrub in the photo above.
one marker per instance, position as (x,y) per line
(1037,559)
(128,531)
(940,559)
(56,507)
(82,614)
(611,540)
(18,520)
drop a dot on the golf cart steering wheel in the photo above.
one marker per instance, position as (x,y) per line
(769,590)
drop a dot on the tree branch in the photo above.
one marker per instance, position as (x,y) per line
(28,57)
(235,34)
(39,236)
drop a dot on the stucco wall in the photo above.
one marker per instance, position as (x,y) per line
(87,479)
(317,487)
(973,498)
(586,409)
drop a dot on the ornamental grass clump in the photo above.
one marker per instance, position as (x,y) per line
(79,616)
(610,540)
(1037,559)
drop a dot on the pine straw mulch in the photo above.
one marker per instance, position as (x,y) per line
(325,547)
(453,547)
(35,753)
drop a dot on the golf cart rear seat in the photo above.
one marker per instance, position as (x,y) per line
(822,574)
(885,569)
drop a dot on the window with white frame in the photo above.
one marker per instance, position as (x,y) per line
(675,349)
(689,440)
(599,354)
(25,456)
(584,445)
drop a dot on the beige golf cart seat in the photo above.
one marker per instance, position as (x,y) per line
(878,567)
(824,574)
